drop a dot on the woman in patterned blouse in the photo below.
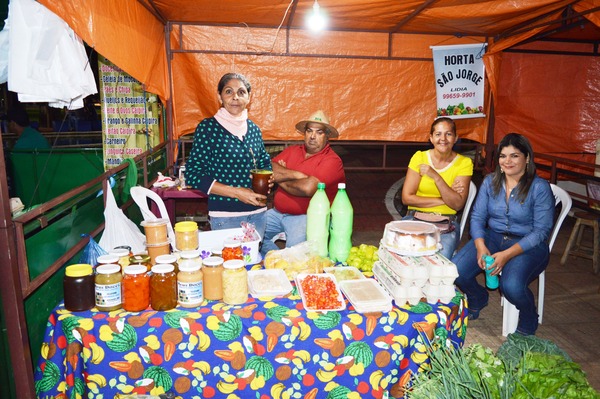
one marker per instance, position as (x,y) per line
(226,147)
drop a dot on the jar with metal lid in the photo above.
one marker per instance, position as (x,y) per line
(212,268)
(108,287)
(136,288)
(232,249)
(170,259)
(235,282)
(123,254)
(78,285)
(163,287)
(143,260)
(190,285)
(189,258)
(186,235)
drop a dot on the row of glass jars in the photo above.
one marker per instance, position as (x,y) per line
(135,288)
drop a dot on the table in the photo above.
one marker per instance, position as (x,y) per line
(267,347)
(170,196)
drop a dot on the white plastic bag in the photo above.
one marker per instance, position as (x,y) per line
(118,229)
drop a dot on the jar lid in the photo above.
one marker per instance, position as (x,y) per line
(120,252)
(108,269)
(135,269)
(162,268)
(186,227)
(106,259)
(231,243)
(139,259)
(212,261)
(190,254)
(189,267)
(79,270)
(217,252)
(234,264)
(166,258)
(154,223)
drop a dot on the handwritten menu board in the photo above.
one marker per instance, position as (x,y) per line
(130,115)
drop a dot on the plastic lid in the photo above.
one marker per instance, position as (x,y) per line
(79,270)
(167,258)
(185,227)
(341,186)
(120,252)
(108,269)
(212,261)
(189,267)
(154,223)
(162,268)
(191,254)
(321,185)
(232,243)
(139,259)
(135,269)
(234,264)
(106,259)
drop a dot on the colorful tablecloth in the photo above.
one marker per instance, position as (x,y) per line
(268,347)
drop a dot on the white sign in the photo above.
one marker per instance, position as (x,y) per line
(459,80)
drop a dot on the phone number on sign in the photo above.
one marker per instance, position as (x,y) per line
(459,95)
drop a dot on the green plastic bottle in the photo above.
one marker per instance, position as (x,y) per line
(340,232)
(317,220)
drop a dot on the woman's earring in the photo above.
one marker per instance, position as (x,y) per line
(501,170)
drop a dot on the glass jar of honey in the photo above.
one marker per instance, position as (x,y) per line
(186,235)
(108,287)
(163,287)
(78,285)
(212,268)
(232,249)
(136,288)
(143,260)
(235,282)
(190,285)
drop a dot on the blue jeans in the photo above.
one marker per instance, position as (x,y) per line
(294,227)
(516,276)
(449,240)
(235,222)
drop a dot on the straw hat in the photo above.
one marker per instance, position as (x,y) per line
(318,117)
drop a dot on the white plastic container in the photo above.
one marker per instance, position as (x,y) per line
(268,282)
(366,295)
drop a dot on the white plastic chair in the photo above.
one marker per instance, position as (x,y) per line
(510,314)
(467,208)
(141,195)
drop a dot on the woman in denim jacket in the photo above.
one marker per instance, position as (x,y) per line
(511,221)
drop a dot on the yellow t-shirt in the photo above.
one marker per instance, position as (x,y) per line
(460,166)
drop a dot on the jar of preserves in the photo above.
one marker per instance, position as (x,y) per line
(186,235)
(108,287)
(163,287)
(78,285)
(143,260)
(169,259)
(190,286)
(232,249)
(123,254)
(212,268)
(235,282)
(190,258)
(136,288)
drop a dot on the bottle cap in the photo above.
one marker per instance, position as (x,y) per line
(108,269)
(106,259)
(212,261)
(341,186)
(234,264)
(167,258)
(162,268)
(186,227)
(191,254)
(321,185)
(135,269)
(78,270)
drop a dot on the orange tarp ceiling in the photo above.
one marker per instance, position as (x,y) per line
(371,71)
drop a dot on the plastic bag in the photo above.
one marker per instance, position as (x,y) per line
(301,258)
(118,229)
(91,252)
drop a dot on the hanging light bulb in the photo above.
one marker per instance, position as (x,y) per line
(316,19)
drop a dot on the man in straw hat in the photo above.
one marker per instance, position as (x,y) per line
(296,171)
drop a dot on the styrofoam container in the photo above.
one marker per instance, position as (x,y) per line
(365,292)
(212,240)
(343,273)
(390,282)
(432,292)
(447,292)
(450,274)
(300,278)
(436,274)
(268,282)
(414,295)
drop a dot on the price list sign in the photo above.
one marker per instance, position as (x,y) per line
(130,115)
(459,80)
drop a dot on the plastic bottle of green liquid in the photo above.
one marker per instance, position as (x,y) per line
(317,219)
(340,232)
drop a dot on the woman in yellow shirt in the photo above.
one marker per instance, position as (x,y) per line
(437,181)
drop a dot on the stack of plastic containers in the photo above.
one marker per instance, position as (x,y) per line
(410,278)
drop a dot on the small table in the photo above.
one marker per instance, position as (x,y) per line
(170,196)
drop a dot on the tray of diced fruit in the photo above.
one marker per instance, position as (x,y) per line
(320,292)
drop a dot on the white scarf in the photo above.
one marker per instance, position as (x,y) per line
(236,125)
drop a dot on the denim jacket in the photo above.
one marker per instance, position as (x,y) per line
(531,219)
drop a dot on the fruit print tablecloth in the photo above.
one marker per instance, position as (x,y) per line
(266,348)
